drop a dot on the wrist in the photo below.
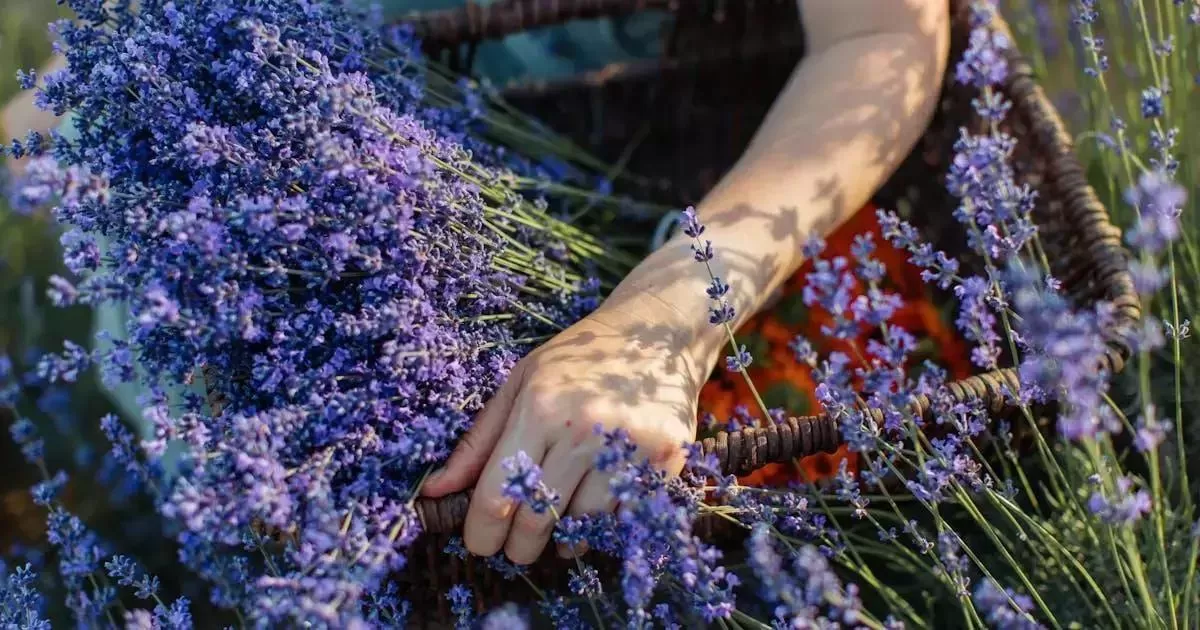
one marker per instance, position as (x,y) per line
(666,294)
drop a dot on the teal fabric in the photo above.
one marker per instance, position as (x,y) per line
(558,51)
(547,53)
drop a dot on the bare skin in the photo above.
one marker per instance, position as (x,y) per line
(851,111)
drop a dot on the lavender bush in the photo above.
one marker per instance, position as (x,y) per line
(288,202)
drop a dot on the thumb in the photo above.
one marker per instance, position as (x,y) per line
(475,446)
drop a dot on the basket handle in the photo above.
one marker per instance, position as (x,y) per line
(746,450)
(737,452)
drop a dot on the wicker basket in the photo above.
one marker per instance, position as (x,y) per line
(724,62)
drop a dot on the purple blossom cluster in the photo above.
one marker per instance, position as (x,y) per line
(652,537)
(523,483)
(347,269)
(800,583)
(1159,201)
(1122,504)
(21,604)
(1003,609)
(1062,346)
(1065,355)
(85,565)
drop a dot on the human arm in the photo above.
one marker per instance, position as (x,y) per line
(850,112)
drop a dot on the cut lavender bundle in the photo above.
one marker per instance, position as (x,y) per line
(266,186)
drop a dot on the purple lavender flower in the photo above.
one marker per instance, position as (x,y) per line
(803,351)
(1159,202)
(740,361)
(455,547)
(38,184)
(524,483)
(876,307)
(977,321)
(64,367)
(652,536)
(21,604)
(61,292)
(121,569)
(1150,431)
(983,63)
(938,267)
(1086,12)
(461,606)
(1065,351)
(45,493)
(1152,103)
(26,80)
(829,286)
(561,613)
(585,582)
(1123,507)
(1148,277)
(802,586)
(723,312)
(80,252)
(702,251)
(996,608)
(692,226)
(1163,142)
(717,288)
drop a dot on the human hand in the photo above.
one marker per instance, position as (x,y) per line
(620,367)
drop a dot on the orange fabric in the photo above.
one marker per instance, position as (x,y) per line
(787,383)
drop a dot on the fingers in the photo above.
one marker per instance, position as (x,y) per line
(490,514)
(473,449)
(562,471)
(593,496)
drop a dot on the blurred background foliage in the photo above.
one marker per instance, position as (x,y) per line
(29,325)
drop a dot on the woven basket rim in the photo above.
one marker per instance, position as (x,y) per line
(748,449)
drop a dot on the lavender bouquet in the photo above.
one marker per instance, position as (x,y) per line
(300,217)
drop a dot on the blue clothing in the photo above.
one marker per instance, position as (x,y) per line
(546,53)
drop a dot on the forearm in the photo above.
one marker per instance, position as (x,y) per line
(847,117)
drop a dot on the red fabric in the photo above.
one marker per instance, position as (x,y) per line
(785,382)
